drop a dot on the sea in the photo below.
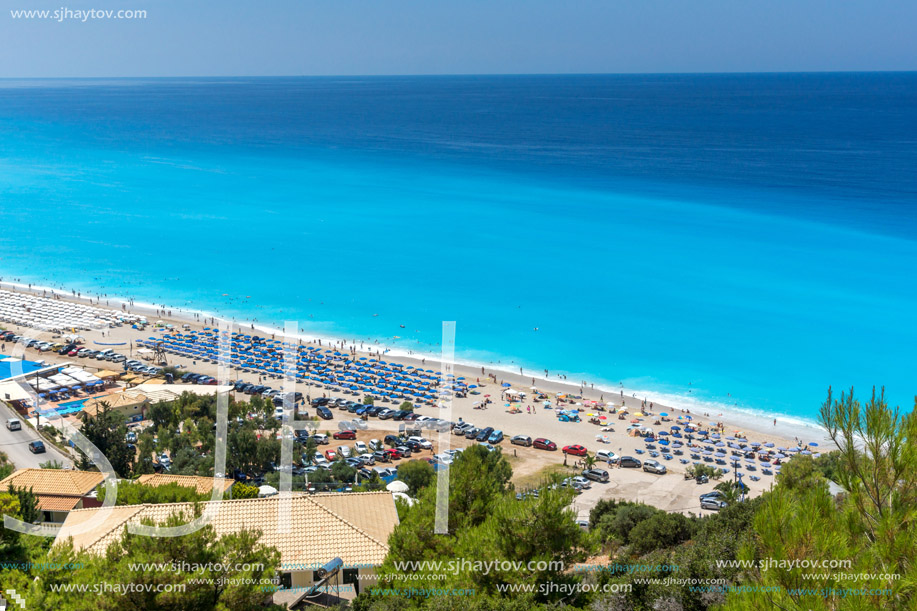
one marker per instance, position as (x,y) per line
(741,241)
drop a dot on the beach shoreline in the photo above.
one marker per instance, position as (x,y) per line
(787,428)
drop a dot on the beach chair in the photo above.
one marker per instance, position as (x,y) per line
(767,472)
(639,451)
(678,453)
(754,478)
(654,454)
(683,461)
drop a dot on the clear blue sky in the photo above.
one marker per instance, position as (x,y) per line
(330,37)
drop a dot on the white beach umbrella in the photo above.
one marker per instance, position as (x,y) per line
(397,486)
(404,497)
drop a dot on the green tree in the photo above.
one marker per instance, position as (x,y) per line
(659,531)
(244,491)
(873,525)
(133,493)
(28,504)
(309,451)
(238,566)
(417,474)
(107,430)
(342,472)
(6,467)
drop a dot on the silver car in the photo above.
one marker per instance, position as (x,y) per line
(711,503)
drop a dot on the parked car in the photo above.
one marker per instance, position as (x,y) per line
(462,428)
(521,440)
(330,454)
(392,440)
(596,475)
(375,445)
(320,439)
(360,447)
(472,433)
(386,414)
(426,445)
(444,458)
(654,466)
(606,456)
(495,437)
(345,435)
(324,413)
(382,456)
(715,494)
(575,450)
(544,444)
(711,503)
(393,453)
(404,450)
(629,462)
(484,434)
(367,458)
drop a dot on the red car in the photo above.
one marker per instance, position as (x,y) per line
(330,454)
(576,450)
(345,435)
(393,453)
(544,444)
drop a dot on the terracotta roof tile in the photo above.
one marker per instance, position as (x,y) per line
(53,502)
(60,482)
(322,526)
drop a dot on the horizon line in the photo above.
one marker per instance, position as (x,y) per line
(459,74)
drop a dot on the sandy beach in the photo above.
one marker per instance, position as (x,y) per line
(669,492)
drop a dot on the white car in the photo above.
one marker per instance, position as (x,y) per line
(581,481)
(426,445)
(375,445)
(368,459)
(608,457)
(360,447)
(444,458)
(345,451)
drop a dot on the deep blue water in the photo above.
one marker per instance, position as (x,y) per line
(743,239)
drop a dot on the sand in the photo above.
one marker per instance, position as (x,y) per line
(670,492)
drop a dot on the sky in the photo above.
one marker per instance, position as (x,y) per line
(378,37)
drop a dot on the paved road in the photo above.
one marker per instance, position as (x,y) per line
(15,444)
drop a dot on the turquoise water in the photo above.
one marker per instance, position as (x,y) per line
(740,242)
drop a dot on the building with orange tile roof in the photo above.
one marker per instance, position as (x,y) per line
(59,491)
